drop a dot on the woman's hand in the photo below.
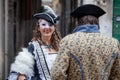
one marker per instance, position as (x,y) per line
(21,77)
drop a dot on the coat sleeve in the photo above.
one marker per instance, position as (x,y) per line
(23,64)
(12,76)
(115,72)
(60,66)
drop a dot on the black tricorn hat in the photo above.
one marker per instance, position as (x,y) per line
(47,14)
(87,9)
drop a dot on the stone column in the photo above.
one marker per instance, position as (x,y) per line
(2,30)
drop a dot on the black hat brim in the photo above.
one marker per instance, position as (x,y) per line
(45,16)
(88,9)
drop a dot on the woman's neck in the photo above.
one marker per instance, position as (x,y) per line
(46,40)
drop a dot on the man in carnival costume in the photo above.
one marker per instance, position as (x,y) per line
(87,54)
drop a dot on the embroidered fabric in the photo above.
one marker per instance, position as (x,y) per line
(49,57)
(43,60)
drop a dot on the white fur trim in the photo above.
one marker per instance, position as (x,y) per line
(24,63)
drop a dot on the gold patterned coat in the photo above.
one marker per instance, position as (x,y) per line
(87,56)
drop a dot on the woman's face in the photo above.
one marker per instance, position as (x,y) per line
(46,28)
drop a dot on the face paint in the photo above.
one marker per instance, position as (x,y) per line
(45,24)
(46,29)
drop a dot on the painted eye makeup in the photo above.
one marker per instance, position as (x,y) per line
(42,24)
(45,24)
